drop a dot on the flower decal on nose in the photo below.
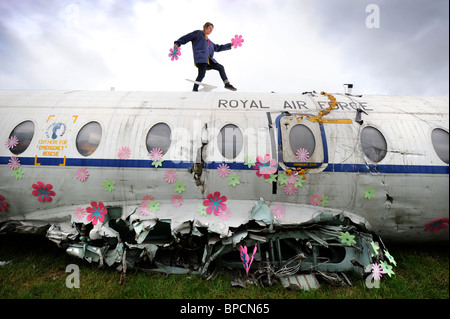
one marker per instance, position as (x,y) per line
(96,213)
(215,203)
(265,166)
(43,192)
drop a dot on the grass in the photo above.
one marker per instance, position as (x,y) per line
(38,271)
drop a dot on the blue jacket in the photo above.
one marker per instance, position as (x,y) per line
(200,46)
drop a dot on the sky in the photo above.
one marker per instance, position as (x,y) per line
(388,47)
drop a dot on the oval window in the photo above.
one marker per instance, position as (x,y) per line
(230,141)
(88,138)
(302,138)
(159,137)
(24,133)
(439,138)
(373,144)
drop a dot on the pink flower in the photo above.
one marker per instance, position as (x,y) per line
(96,213)
(215,203)
(14,163)
(174,54)
(377,271)
(225,215)
(315,199)
(278,210)
(3,204)
(223,170)
(79,213)
(12,142)
(302,154)
(237,41)
(147,203)
(124,152)
(170,176)
(156,154)
(82,174)
(290,189)
(177,200)
(436,225)
(265,166)
(292,178)
(43,192)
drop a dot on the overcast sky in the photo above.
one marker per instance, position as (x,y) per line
(394,47)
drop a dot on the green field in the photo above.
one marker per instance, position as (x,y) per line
(38,271)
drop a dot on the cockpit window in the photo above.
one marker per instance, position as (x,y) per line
(439,138)
(302,142)
(159,136)
(230,141)
(373,144)
(88,138)
(23,133)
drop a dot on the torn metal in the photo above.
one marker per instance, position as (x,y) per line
(294,254)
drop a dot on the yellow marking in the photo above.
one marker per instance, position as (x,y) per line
(49,117)
(64,163)
(35,161)
(332,121)
(76,118)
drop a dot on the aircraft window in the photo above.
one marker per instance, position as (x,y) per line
(230,141)
(439,137)
(373,143)
(88,138)
(159,137)
(24,133)
(301,136)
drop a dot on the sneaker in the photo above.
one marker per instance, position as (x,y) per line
(230,87)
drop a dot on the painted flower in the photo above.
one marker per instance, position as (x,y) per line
(346,238)
(375,247)
(225,215)
(170,176)
(108,185)
(3,203)
(14,163)
(237,41)
(290,189)
(292,178)
(387,268)
(82,174)
(278,210)
(315,199)
(124,152)
(299,182)
(43,192)
(176,200)
(283,178)
(233,180)
(223,170)
(302,154)
(249,161)
(158,163)
(377,271)
(265,166)
(436,225)
(179,187)
(96,213)
(215,203)
(79,213)
(148,205)
(324,200)
(17,173)
(156,154)
(12,142)
(174,54)
(369,193)
(390,258)
(272,178)
(202,210)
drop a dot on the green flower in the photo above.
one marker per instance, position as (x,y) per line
(233,179)
(158,163)
(387,268)
(369,193)
(108,185)
(179,187)
(153,206)
(375,247)
(249,161)
(282,178)
(272,178)
(346,238)
(324,200)
(17,173)
(299,182)
(202,210)
(390,258)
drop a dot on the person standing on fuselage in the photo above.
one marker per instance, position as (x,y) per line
(203,49)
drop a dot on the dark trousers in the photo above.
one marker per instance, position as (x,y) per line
(203,67)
